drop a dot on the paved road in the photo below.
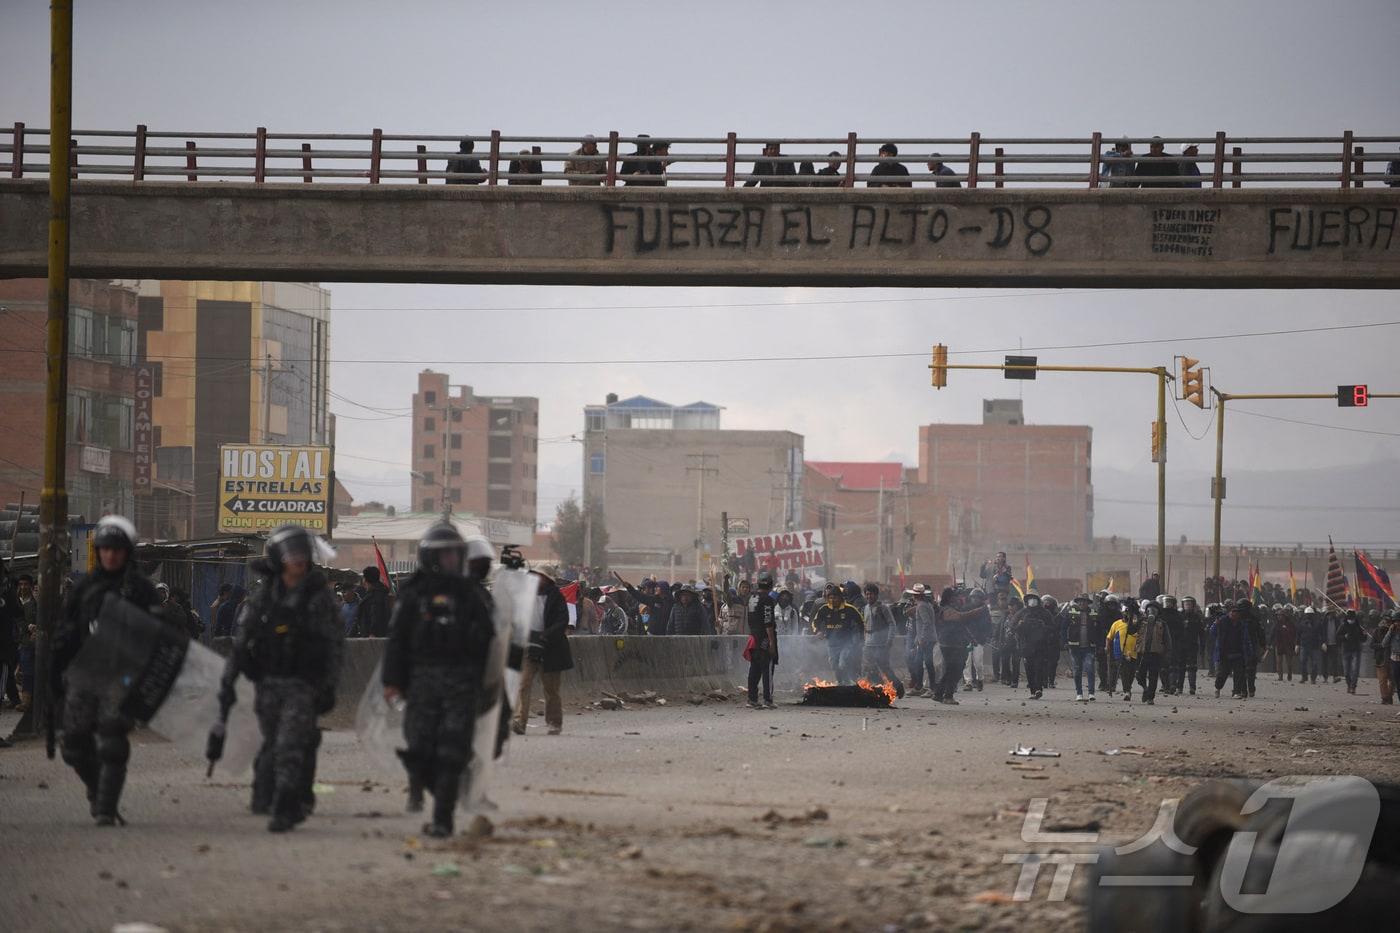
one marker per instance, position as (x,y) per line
(653,818)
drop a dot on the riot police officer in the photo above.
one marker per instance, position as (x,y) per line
(435,658)
(289,645)
(763,632)
(95,730)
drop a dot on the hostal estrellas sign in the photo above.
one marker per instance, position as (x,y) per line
(264,486)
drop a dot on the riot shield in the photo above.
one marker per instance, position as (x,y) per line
(513,593)
(380,725)
(153,673)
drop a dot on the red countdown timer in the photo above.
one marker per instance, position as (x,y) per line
(1353,396)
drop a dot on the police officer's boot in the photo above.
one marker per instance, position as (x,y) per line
(113,750)
(286,810)
(308,780)
(445,787)
(262,785)
(415,795)
(80,754)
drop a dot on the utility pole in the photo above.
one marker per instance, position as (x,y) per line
(53,499)
(267,399)
(880,534)
(587,537)
(703,469)
(1357,396)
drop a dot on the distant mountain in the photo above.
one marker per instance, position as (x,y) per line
(1355,504)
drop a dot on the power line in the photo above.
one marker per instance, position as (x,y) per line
(1312,424)
(1115,344)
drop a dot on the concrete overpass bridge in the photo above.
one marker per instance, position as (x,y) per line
(1313,212)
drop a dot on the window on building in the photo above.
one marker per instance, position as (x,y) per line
(429,424)
(429,477)
(80,332)
(502,419)
(429,398)
(456,414)
(429,505)
(498,473)
(499,447)
(595,421)
(595,464)
(455,468)
(454,495)
(429,451)
(498,500)
(456,442)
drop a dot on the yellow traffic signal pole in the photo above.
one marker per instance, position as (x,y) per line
(53,499)
(1218,492)
(940,366)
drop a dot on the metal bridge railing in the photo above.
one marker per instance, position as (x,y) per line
(730,161)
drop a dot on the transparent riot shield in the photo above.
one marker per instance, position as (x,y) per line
(153,673)
(380,724)
(513,593)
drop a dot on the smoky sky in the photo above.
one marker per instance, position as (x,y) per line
(801,69)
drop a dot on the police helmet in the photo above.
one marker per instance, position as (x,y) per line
(1149,608)
(290,541)
(115,532)
(1188,599)
(1166,601)
(441,538)
(1032,600)
(1083,598)
(480,554)
(1049,602)
(1243,605)
(1310,611)
(1277,607)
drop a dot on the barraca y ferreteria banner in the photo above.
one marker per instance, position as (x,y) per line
(262,486)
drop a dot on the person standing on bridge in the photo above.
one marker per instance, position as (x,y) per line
(465,164)
(522,168)
(832,176)
(771,171)
(936,166)
(1117,168)
(1189,169)
(1155,165)
(586,162)
(888,168)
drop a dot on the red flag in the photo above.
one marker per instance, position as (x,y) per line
(383,570)
(571,595)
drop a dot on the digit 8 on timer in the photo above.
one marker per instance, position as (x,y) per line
(1357,396)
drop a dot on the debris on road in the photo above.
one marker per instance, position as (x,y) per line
(1030,751)
(446,870)
(1125,750)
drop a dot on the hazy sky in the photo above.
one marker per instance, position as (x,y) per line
(777,68)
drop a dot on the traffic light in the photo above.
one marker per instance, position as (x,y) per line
(1193,387)
(1020,361)
(1353,396)
(939,366)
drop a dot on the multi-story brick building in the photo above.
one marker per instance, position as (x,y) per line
(474,454)
(102,345)
(878,520)
(1033,484)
